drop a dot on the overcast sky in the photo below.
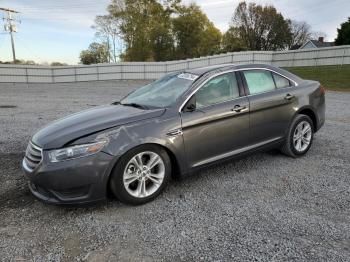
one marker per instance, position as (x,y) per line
(54,30)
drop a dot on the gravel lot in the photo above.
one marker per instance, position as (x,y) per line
(266,207)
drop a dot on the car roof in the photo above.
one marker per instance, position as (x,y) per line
(202,70)
(208,70)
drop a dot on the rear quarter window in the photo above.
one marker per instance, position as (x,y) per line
(281,81)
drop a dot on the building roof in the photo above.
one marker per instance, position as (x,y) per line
(319,44)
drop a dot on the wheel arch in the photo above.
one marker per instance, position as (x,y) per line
(306,110)
(175,164)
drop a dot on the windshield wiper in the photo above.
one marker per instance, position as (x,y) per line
(135,105)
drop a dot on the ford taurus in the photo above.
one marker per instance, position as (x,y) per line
(175,125)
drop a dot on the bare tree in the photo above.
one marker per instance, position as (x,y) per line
(317,34)
(108,29)
(301,33)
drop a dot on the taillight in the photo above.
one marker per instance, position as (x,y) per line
(322,90)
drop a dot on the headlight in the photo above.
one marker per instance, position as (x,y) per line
(76,151)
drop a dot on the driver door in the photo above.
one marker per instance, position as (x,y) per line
(217,124)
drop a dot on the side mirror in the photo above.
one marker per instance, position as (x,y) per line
(190,105)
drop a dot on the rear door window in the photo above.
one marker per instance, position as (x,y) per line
(259,81)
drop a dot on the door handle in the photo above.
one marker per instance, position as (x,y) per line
(239,108)
(288,97)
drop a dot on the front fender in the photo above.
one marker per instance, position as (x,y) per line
(154,131)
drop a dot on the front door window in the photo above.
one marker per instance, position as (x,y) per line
(217,90)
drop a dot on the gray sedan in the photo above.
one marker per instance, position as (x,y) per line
(173,126)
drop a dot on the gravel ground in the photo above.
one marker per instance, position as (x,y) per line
(266,207)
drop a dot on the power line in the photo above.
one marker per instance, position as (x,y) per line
(28,51)
(2,40)
(77,7)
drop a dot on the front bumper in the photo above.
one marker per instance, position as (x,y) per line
(77,181)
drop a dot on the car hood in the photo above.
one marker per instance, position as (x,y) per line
(72,127)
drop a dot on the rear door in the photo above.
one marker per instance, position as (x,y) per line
(272,99)
(220,123)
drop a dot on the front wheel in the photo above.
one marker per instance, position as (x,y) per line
(299,137)
(141,175)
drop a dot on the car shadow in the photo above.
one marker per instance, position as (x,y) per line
(17,195)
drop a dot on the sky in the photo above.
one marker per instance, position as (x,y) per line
(57,30)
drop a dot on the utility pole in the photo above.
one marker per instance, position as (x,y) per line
(10,26)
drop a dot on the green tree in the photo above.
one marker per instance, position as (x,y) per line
(343,37)
(231,42)
(160,34)
(24,62)
(58,64)
(194,34)
(211,40)
(261,27)
(158,30)
(96,53)
(145,27)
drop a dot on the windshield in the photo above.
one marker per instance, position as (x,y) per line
(162,92)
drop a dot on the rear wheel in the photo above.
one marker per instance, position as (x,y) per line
(141,174)
(300,136)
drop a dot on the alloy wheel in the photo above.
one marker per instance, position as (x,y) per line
(144,174)
(302,136)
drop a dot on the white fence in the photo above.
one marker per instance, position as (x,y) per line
(152,70)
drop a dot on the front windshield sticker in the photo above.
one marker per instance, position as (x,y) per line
(187,76)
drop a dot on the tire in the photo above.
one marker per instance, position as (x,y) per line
(134,182)
(298,141)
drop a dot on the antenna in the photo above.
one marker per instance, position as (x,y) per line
(11,27)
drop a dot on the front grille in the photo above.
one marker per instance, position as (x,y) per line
(33,156)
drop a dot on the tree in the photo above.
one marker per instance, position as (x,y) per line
(300,33)
(107,29)
(159,30)
(231,42)
(317,34)
(24,62)
(194,34)
(261,27)
(160,34)
(58,64)
(96,53)
(145,28)
(343,37)
(211,40)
